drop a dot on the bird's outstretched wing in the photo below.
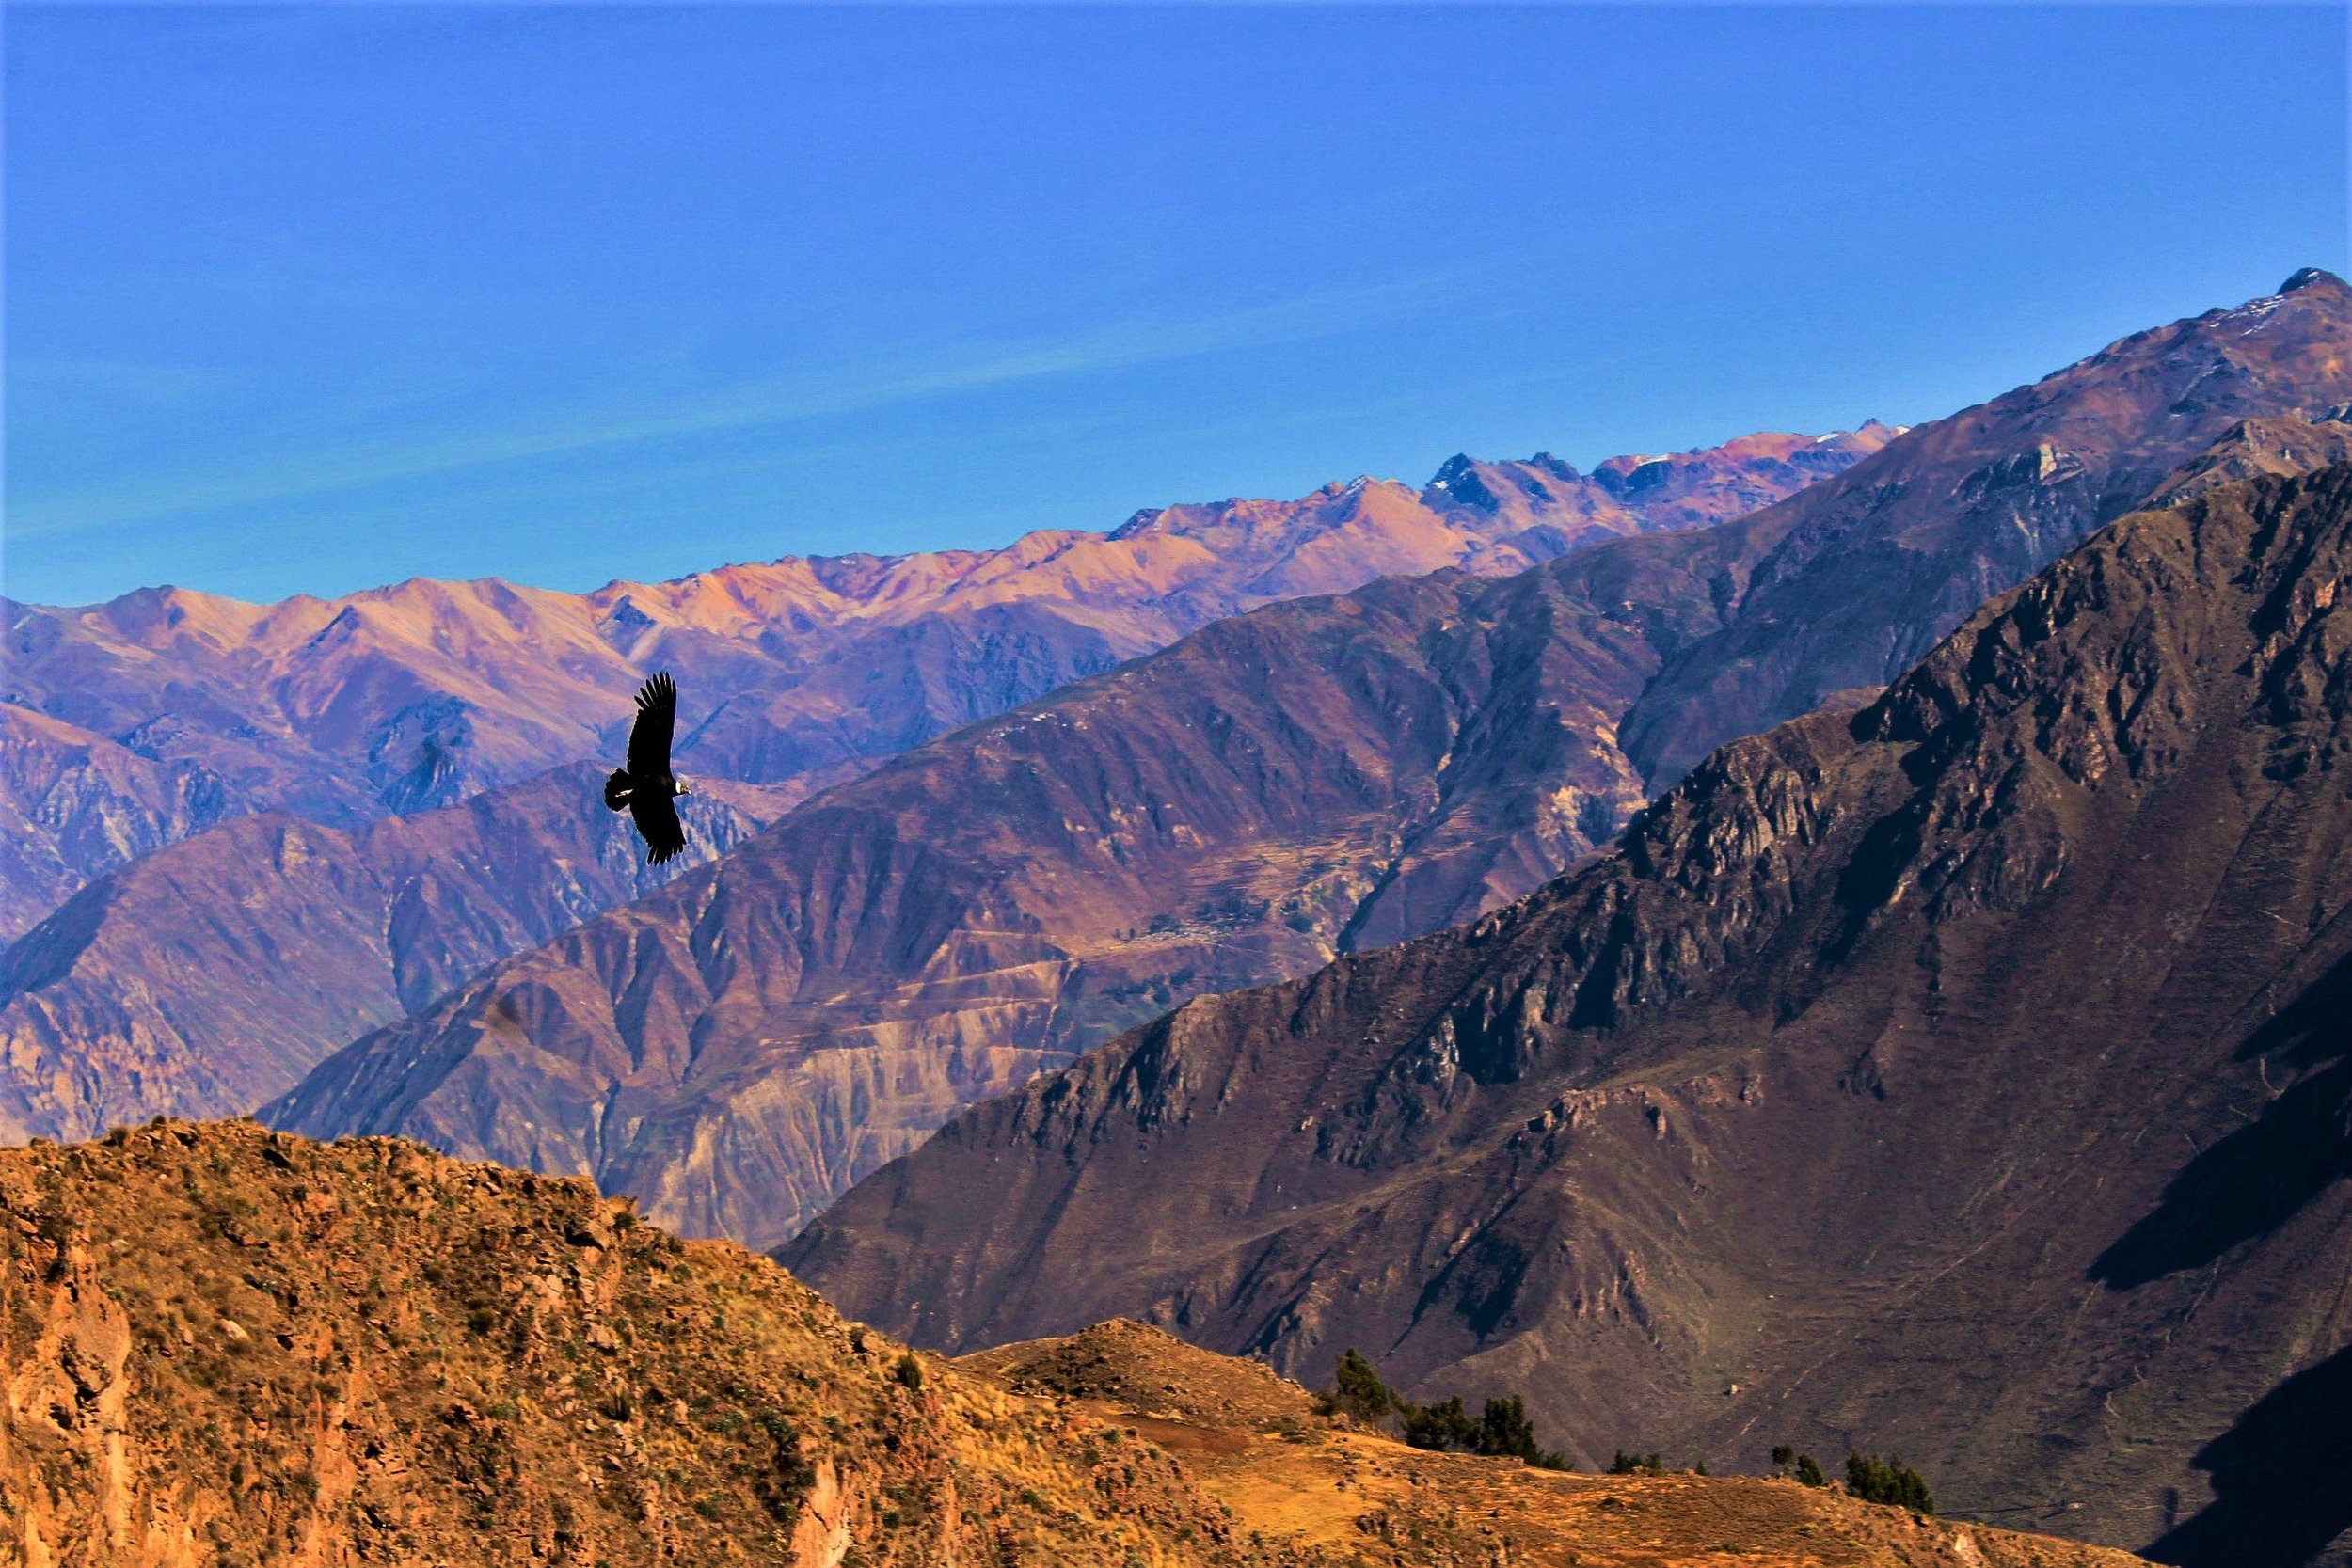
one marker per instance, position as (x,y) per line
(657,819)
(649,738)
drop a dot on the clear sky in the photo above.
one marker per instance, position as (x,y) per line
(310,298)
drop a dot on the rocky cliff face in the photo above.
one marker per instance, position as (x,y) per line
(214,972)
(2276,447)
(1965,1073)
(1314,778)
(414,696)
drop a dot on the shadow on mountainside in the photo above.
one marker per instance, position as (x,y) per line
(2281,1475)
(2256,1179)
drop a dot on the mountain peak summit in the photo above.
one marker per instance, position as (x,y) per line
(2306,277)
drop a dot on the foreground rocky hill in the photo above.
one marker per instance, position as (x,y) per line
(1314,778)
(226,1347)
(1968,1073)
(404,698)
(223,1346)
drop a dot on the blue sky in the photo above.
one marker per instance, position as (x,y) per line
(310,298)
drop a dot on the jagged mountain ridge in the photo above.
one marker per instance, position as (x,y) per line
(212,973)
(404,698)
(1849,588)
(1313,778)
(2274,447)
(1987,1040)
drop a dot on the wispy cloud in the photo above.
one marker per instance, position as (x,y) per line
(749,407)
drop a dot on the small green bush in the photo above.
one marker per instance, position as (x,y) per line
(1504,1431)
(1440,1426)
(1357,1393)
(1889,1481)
(1501,1430)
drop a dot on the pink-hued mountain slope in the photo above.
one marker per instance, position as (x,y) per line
(803,669)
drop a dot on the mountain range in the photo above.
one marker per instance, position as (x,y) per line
(132,724)
(1969,1070)
(1822,940)
(1313,778)
(205,977)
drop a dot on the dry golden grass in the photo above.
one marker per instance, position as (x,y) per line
(227,1346)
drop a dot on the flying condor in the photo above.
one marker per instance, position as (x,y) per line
(646,787)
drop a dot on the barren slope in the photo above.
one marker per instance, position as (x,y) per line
(74,802)
(1968,1076)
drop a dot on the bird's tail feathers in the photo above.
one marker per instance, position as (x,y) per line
(617,790)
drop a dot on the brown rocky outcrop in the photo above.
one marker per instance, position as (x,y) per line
(222,1346)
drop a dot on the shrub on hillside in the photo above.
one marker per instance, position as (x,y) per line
(1357,1393)
(1439,1426)
(1504,1431)
(1890,1481)
(1808,1470)
(1501,1429)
